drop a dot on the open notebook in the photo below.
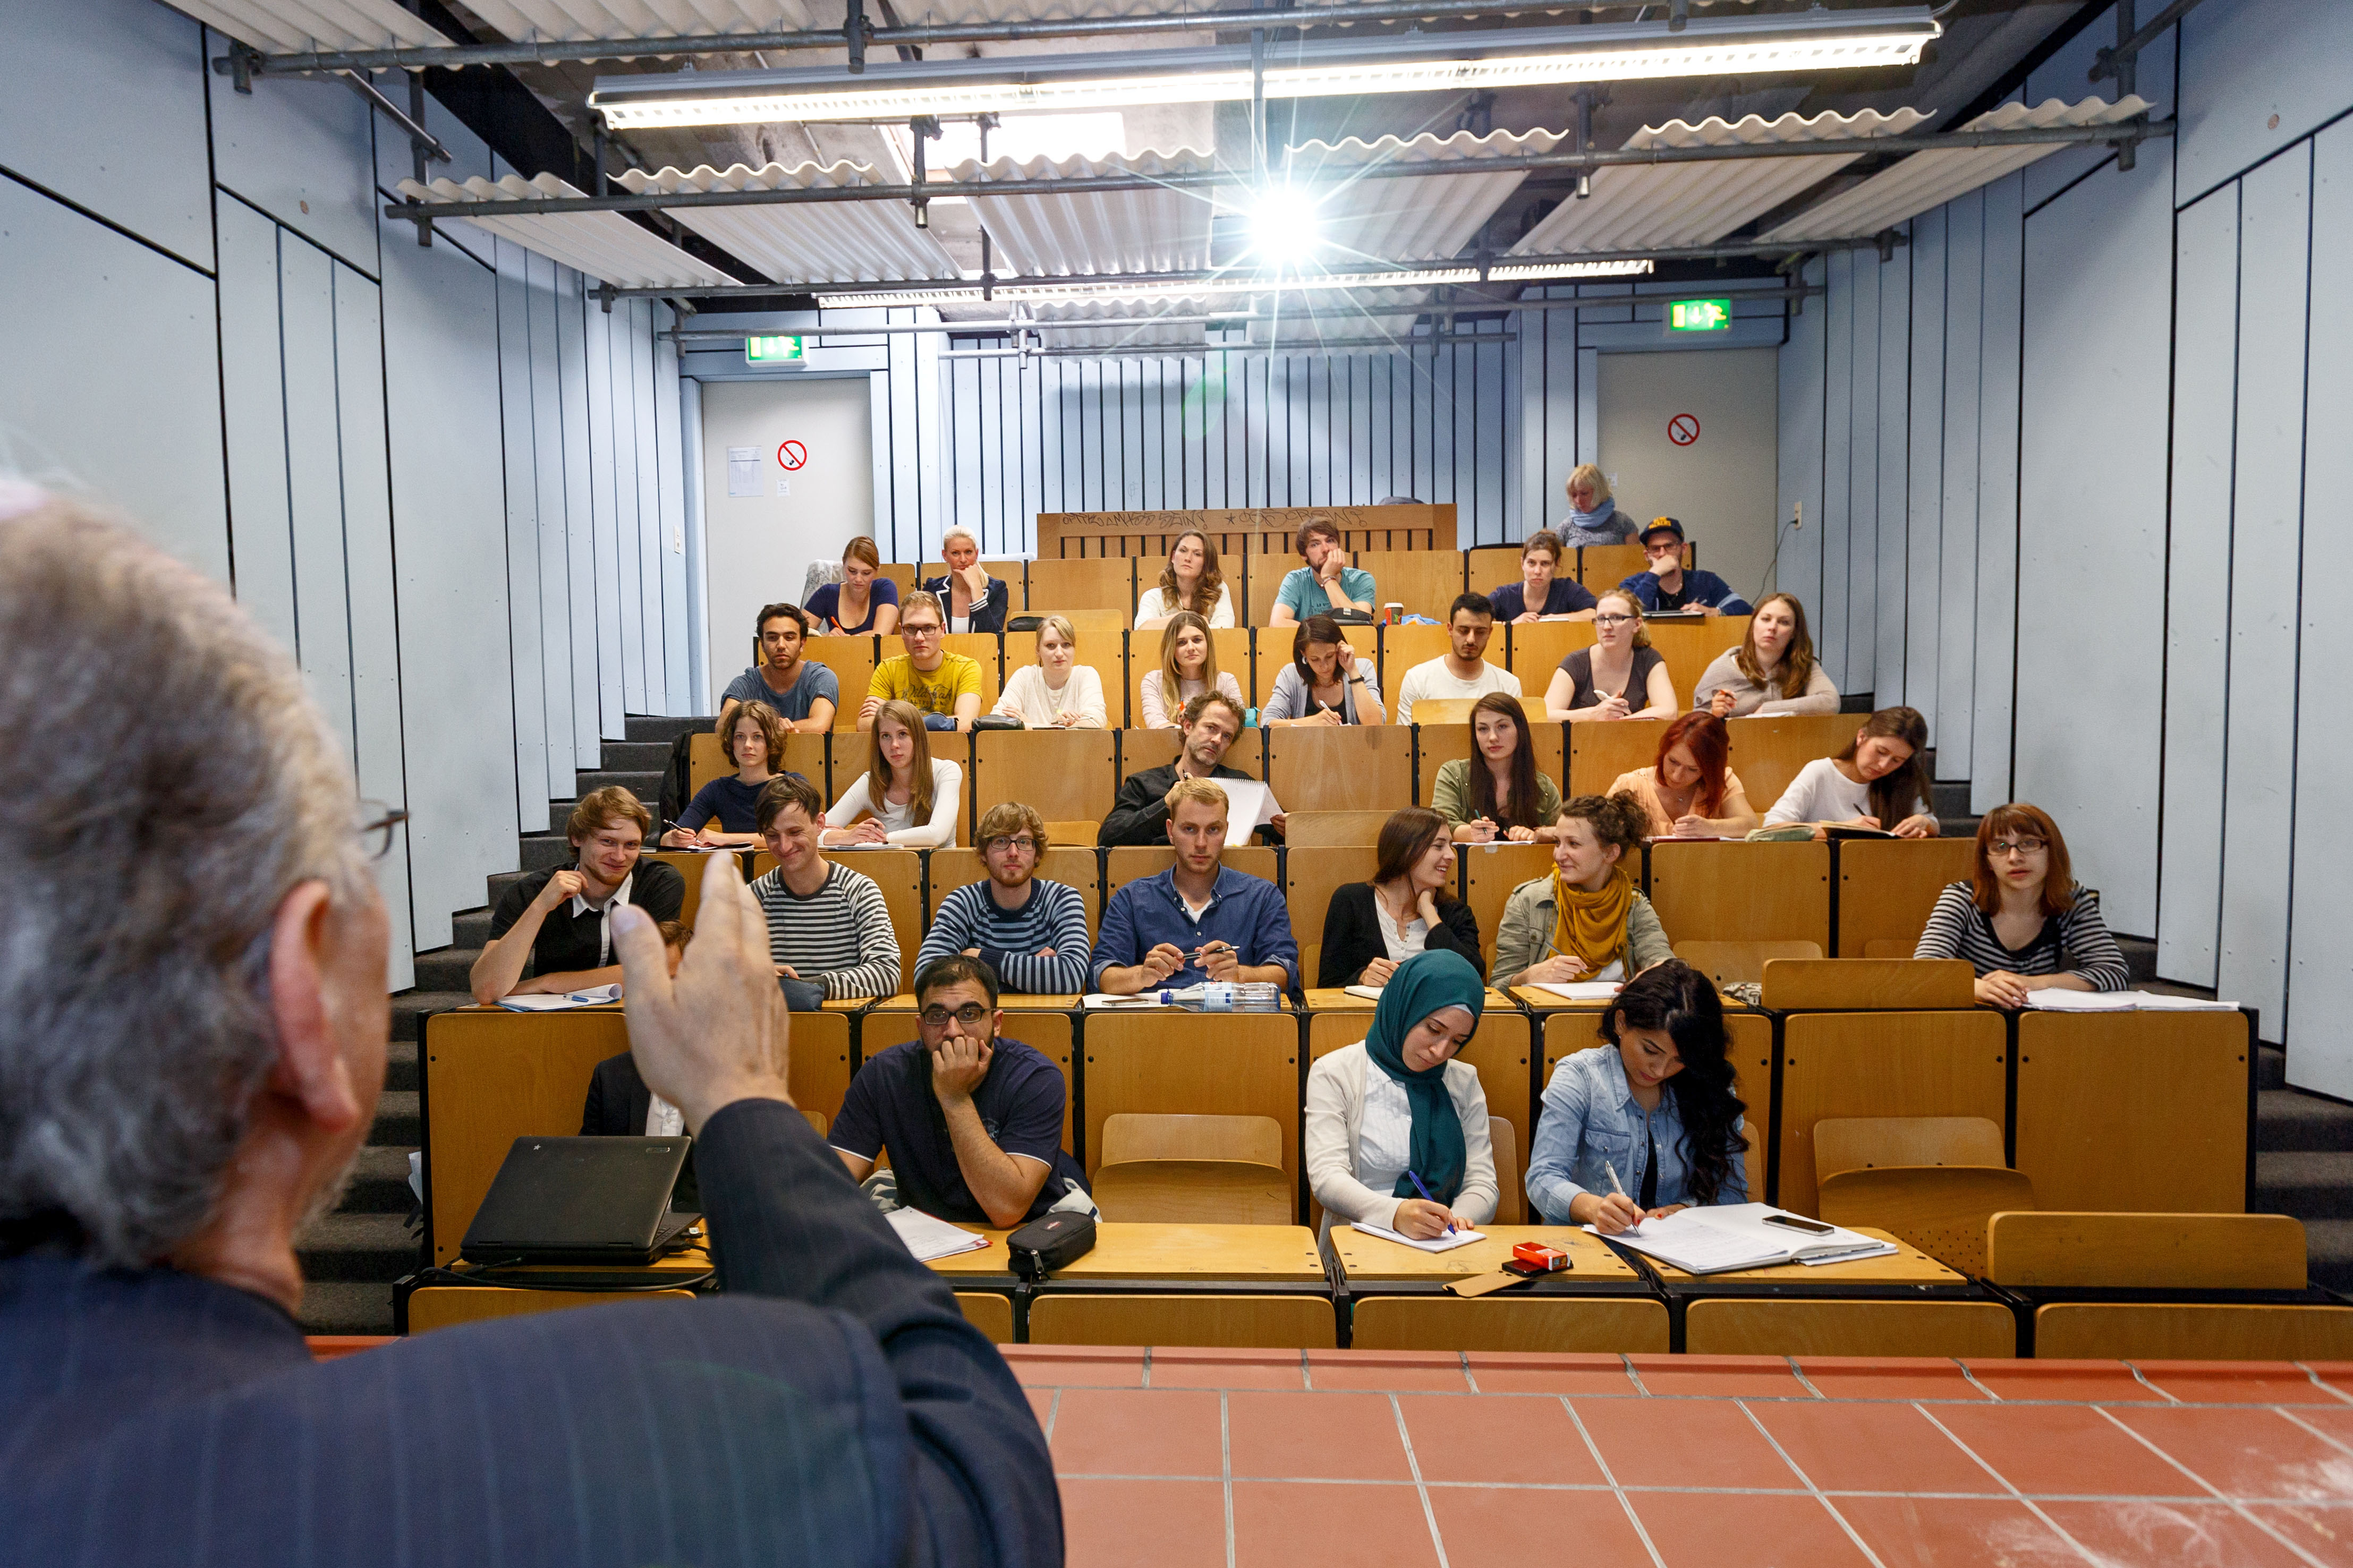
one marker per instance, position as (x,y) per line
(1735,1236)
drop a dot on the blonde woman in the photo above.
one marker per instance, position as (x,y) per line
(1621,675)
(1193,581)
(1189,666)
(972,600)
(1773,670)
(908,801)
(1593,517)
(1057,693)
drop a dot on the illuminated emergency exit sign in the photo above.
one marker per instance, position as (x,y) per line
(1699,316)
(772,351)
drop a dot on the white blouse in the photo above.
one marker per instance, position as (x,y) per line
(1029,698)
(1821,793)
(898,818)
(1385,1137)
(1153,606)
(1401,944)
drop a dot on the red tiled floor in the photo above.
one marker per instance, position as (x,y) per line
(1337,1436)
(1496,1527)
(2062,1380)
(1895,1377)
(1730,1376)
(1699,1529)
(1872,1448)
(2057,1449)
(1502,1438)
(1955,1533)
(1296,1524)
(1144,1524)
(1046,1366)
(2326,1532)
(1682,1442)
(1426,1371)
(1138,1432)
(1182,1367)
(2248,1453)
(1496,1372)
(2337,1424)
(1042,1405)
(2168,1535)
(2338,1375)
(2236,1383)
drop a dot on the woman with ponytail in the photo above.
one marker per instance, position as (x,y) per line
(1649,1111)
(1585,921)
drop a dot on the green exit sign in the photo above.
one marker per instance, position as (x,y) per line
(772,351)
(1699,316)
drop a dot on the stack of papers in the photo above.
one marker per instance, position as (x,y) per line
(595,996)
(1369,993)
(1436,1243)
(1734,1235)
(1105,999)
(2059,1001)
(1583,990)
(927,1237)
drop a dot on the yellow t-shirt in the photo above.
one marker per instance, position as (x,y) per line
(896,680)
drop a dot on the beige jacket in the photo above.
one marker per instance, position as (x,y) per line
(1335,1115)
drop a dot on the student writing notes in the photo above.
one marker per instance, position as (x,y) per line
(2022,921)
(1193,579)
(1772,671)
(1409,907)
(1397,1109)
(863,602)
(1688,792)
(1653,1103)
(1325,682)
(908,798)
(1621,675)
(1056,692)
(1189,666)
(721,812)
(1585,921)
(1880,781)
(1497,792)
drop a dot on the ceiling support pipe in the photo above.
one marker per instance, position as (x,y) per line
(1211,179)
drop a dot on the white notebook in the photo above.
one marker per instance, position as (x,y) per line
(1582,990)
(1461,1238)
(928,1238)
(1716,1240)
(595,996)
(1369,993)
(2058,1001)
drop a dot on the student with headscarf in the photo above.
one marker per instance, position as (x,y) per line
(1585,921)
(1398,1106)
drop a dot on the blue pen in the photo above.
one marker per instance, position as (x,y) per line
(1426,1197)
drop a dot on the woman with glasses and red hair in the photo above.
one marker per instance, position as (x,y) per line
(1691,791)
(2022,921)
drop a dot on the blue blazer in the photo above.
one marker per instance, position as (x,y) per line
(987,611)
(833,1406)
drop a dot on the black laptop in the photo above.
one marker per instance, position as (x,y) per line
(582,1201)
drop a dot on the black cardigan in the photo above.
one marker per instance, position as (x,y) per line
(1352,934)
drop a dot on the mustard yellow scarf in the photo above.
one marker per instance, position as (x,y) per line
(1591,926)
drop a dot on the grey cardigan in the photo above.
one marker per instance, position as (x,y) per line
(1335,1115)
(1525,933)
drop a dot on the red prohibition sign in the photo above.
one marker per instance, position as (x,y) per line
(792,455)
(1682,429)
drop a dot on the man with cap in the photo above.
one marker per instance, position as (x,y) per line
(1667,585)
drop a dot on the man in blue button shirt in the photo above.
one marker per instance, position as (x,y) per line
(1199,920)
(1668,586)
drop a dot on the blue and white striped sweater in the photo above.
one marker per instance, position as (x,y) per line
(1010,940)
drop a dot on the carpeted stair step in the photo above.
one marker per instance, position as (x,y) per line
(410,1006)
(540,852)
(637,756)
(2311,1187)
(446,968)
(343,1248)
(646,784)
(346,1307)
(470,928)
(2290,1121)
(380,1182)
(399,1119)
(640,727)
(400,1065)
(2328,1251)
(2271,1068)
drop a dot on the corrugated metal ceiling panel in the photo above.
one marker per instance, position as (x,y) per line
(1117,231)
(606,246)
(572,20)
(817,242)
(1124,329)
(1635,208)
(1430,217)
(300,26)
(1926,180)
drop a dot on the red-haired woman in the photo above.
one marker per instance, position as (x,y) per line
(1688,792)
(2023,920)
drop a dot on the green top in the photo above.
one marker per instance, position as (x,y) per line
(1451,796)
(1525,933)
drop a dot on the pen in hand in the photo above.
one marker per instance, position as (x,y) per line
(1428,1199)
(1620,1188)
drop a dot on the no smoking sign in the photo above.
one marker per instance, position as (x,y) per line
(1682,429)
(792,455)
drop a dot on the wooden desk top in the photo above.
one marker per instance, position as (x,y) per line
(1906,1265)
(1266,1253)
(1366,1258)
(1010,1001)
(1539,1001)
(1337,1000)
(681,1265)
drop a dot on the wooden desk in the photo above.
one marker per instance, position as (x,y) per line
(1398,1300)
(1904,1304)
(1170,1255)
(1882,1064)
(2175,1097)
(418,1310)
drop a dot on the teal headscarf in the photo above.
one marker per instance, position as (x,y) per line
(1427,982)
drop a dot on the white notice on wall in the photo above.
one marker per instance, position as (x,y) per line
(743,470)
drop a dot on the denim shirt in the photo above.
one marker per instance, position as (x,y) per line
(1590,1115)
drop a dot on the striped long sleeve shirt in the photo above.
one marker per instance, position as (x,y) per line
(838,936)
(2074,942)
(1009,940)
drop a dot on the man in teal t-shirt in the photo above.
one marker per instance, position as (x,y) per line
(1327,583)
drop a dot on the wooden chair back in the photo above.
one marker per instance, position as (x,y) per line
(1732,963)
(1888,886)
(2147,1251)
(852,661)
(1073,835)
(1490,873)
(1064,775)
(1074,587)
(1888,947)
(705,761)
(1598,754)
(1351,767)
(1795,984)
(1860,1143)
(1426,582)
(1600,566)
(1537,651)
(1511,1202)
(1768,752)
(1488,567)
(984,649)
(1171,1063)
(689,864)
(1943,1210)
(1690,647)
(1194,1191)
(1445,710)
(1741,892)
(903,574)
(1332,830)
(1132,1136)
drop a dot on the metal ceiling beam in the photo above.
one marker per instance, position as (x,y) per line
(1211,179)
(560,52)
(2105,63)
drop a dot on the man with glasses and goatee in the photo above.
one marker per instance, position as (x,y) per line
(974,1122)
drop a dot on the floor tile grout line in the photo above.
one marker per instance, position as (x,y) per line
(2000,1494)
(2028,1503)
(1803,1380)
(2288,1413)
(2163,1401)
(1226,1469)
(1971,1377)
(2166,1393)
(1053,1412)
(2233,1503)
(1413,1468)
(1306,1372)
(2324,1386)
(1468,1375)
(1148,1366)
(1625,1504)
(1633,1375)
(1799,1471)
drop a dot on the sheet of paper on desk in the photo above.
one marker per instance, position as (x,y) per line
(1249,803)
(1583,990)
(1369,993)
(928,1238)
(1436,1243)
(2054,1000)
(595,996)
(1105,999)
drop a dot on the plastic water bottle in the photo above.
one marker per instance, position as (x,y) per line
(1227,997)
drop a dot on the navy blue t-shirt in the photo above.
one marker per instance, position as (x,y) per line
(734,802)
(890,1106)
(1565,597)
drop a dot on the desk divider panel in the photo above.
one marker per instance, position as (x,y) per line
(1537,651)
(1846,984)
(1065,775)
(1882,1064)
(1599,1325)
(1600,566)
(1426,582)
(2183,1330)
(1240,1064)
(689,864)
(852,660)
(1768,752)
(1598,751)
(1310,879)
(1487,567)
(2135,1111)
(1690,647)
(1351,767)
(1888,886)
(1737,1325)
(1236,1322)
(1742,892)
(903,573)
(453,1306)
(1490,872)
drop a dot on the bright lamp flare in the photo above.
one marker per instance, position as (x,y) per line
(1285,229)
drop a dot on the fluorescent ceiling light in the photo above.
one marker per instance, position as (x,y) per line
(1804,43)
(1285,229)
(1081,291)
